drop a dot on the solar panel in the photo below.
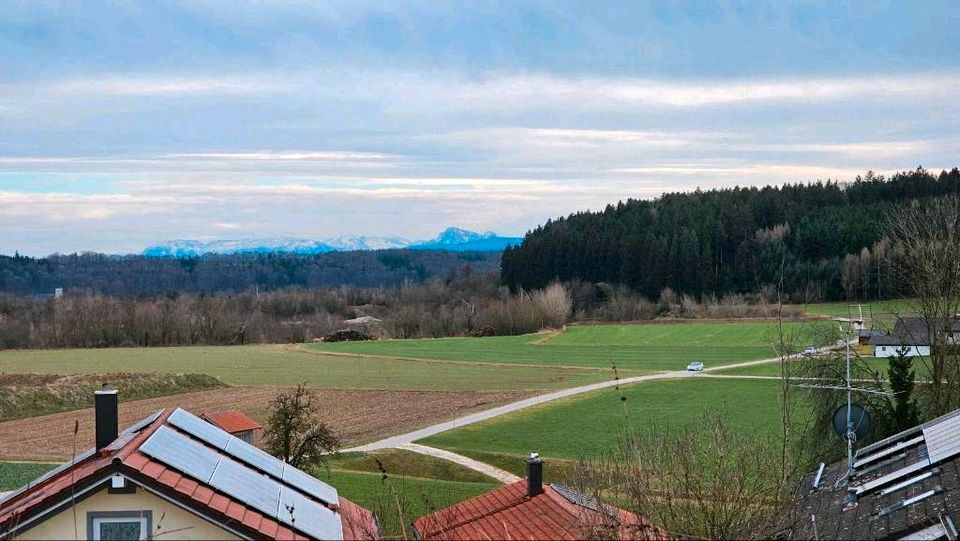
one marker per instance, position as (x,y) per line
(199,428)
(309,484)
(943,439)
(255,478)
(175,449)
(255,457)
(248,486)
(309,516)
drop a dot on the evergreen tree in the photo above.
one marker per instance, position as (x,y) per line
(904,405)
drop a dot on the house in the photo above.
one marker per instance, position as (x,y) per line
(910,335)
(235,423)
(529,509)
(906,486)
(176,476)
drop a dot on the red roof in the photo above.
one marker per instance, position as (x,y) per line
(232,421)
(508,513)
(123,456)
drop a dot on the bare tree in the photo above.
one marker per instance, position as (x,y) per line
(928,236)
(554,304)
(295,433)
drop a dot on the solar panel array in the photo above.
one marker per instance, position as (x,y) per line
(943,439)
(257,479)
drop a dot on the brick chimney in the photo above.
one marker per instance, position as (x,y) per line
(106,416)
(534,475)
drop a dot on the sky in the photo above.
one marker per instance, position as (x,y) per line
(127,123)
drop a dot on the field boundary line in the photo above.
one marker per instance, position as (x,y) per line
(503,476)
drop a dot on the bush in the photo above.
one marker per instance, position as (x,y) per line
(347,335)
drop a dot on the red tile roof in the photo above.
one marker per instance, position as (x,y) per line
(508,513)
(232,421)
(124,456)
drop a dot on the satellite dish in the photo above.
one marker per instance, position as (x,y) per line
(858,416)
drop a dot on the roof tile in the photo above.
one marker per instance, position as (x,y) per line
(508,513)
(232,421)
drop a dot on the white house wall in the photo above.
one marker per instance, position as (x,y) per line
(893,351)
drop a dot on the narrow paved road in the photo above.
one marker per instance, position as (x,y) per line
(410,437)
(503,476)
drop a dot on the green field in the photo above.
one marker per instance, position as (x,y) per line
(589,425)
(289,365)
(16,474)
(880,310)
(641,347)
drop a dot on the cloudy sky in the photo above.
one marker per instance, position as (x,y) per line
(126,123)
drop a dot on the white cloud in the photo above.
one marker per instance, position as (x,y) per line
(541,91)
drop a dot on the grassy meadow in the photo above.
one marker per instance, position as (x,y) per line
(400,500)
(415,484)
(289,365)
(646,347)
(590,425)
(883,312)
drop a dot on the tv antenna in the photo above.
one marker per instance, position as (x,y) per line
(857,419)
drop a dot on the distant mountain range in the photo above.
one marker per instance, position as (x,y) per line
(452,239)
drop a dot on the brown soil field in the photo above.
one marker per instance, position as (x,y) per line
(357,415)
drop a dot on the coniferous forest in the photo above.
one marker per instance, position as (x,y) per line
(824,240)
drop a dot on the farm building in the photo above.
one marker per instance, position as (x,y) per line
(912,336)
(529,509)
(176,476)
(235,423)
(909,335)
(906,486)
(866,336)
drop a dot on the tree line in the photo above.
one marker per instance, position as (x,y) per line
(136,276)
(820,241)
(464,303)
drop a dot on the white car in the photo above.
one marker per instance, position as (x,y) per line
(810,351)
(695,366)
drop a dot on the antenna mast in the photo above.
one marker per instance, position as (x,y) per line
(851,434)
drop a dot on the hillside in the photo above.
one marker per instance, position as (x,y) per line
(733,240)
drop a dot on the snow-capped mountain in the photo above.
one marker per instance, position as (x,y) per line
(186,248)
(462,240)
(351,243)
(452,239)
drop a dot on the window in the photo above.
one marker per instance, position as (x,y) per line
(118,525)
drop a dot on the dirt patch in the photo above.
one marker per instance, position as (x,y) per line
(359,416)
